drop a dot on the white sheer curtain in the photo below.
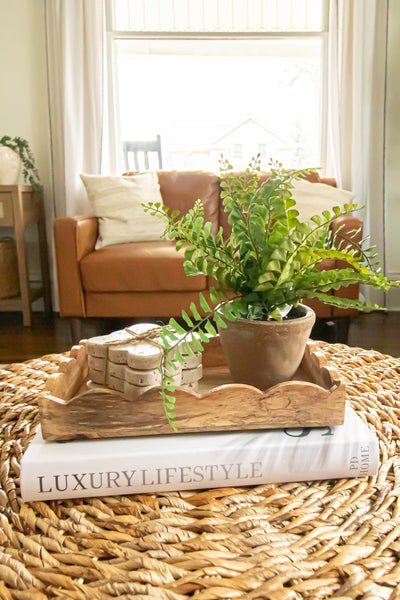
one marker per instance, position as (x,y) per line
(356,109)
(77,98)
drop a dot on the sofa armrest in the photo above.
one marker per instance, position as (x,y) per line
(343,233)
(328,181)
(74,238)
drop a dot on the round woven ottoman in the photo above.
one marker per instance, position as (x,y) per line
(319,539)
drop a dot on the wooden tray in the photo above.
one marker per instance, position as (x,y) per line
(315,397)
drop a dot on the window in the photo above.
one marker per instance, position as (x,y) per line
(212,77)
(237,151)
(262,151)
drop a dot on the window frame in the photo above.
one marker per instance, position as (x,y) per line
(113,35)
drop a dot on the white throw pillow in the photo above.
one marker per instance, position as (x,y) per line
(116,201)
(313,198)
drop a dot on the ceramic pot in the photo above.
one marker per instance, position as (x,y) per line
(10,166)
(265,353)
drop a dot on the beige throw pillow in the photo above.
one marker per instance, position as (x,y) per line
(116,201)
(313,198)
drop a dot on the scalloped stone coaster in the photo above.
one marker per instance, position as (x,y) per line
(117,361)
(192,375)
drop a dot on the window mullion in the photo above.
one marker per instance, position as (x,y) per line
(242,11)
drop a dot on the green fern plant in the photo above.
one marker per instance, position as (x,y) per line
(29,170)
(265,268)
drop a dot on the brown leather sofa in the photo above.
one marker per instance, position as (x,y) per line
(146,279)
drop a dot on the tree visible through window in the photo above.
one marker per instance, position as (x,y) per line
(229,86)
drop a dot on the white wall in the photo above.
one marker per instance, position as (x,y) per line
(24,95)
(392,196)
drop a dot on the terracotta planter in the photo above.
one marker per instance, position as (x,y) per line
(265,353)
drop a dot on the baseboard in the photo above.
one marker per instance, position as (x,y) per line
(393,295)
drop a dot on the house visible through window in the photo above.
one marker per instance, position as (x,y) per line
(262,151)
(237,151)
(230,77)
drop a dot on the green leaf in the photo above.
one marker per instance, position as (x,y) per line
(187,319)
(194,311)
(274,265)
(196,344)
(170,400)
(207,229)
(316,219)
(170,334)
(268,276)
(173,366)
(189,252)
(190,269)
(198,225)
(175,325)
(263,287)
(164,336)
(289,203)
(278,254)
(219,321)
(280,312)
(170,365)
(179,356)
(188,348)
(212,291)
(224,309)
(204,338)
(209,327)
(203,303)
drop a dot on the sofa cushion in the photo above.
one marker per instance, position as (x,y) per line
(181,189)
(138,267)
(117,202)
(313,198)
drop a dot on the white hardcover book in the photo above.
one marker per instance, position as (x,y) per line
(53,470)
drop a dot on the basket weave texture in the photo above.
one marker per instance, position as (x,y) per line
(329,539)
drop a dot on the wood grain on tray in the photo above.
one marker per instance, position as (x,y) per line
(71,408)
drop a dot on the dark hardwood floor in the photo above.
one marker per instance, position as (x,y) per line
(378,330)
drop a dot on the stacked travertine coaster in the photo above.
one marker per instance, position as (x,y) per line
(128,361)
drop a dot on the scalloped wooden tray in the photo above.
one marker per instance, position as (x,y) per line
(315,397)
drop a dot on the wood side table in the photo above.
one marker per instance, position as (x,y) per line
(19,207)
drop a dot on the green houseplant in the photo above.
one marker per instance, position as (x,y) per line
(21,147)
(264,268)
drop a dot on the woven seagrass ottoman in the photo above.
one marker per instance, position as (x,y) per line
(326,539)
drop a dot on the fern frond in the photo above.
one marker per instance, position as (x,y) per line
(346,302)
(178,341)
(269,263)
